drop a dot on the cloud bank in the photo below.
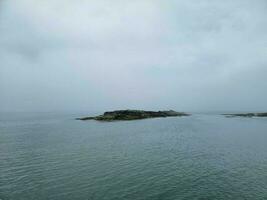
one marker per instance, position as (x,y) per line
(101,54)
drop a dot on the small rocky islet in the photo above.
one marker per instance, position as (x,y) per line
(247,115)
(123,115)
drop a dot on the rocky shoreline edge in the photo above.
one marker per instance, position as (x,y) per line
(133,115)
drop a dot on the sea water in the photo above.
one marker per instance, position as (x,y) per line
(50,156)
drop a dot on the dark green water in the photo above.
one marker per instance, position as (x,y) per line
(53,157)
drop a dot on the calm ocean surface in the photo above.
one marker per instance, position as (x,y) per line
(46,156)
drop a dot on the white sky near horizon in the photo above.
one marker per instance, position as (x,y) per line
(187,55)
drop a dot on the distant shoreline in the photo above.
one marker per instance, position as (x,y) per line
(249,115)
(123,115)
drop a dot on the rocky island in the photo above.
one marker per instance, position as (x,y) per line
(133,115)
(247,115)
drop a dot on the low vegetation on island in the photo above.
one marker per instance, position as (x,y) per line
(247,115)
(134,115)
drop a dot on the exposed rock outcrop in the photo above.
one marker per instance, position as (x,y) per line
(134,115)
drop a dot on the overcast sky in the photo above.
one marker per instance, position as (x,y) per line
(188,55)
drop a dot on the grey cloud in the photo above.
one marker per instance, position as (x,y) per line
(185,55)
